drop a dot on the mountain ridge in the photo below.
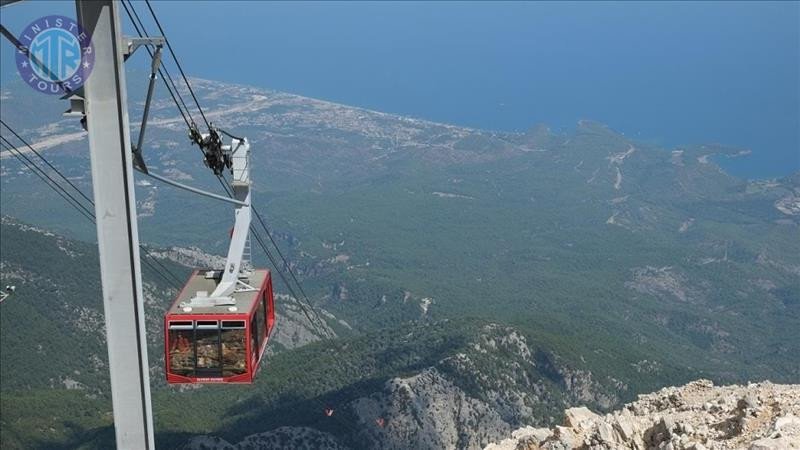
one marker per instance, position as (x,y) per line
(432,252)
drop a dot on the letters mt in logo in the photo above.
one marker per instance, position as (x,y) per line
(56,55)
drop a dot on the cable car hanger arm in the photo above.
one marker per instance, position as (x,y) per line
(194,190)
(217,157)
(240,165)
(133,44)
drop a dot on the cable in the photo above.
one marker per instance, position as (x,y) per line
(31,165)
(319,325)
(72,200)
(13,150)
(174,58)
(320,328)
(46,161)
(166,71)
(133,14)
(229,135)
(176,282)
(224,183)
(78,190)
(285,263)
(134,17)
(161,70)
(181,106)
(16,43)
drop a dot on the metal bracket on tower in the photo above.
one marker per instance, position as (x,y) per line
(138,160)
(133,43)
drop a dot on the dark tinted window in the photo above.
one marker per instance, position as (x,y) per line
(254,337)
(234,356)
(261,323)
(207,348)
(181,351)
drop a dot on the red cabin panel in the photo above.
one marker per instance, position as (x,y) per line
(218,344)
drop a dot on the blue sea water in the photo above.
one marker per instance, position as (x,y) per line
(673,73)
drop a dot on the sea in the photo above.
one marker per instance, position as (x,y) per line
(669,73)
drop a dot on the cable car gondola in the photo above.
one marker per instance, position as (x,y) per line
(217,329)
(219,343)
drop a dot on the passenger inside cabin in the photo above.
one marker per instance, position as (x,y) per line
(181,344)
(181,353)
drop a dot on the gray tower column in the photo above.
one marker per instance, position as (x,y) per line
(117,233)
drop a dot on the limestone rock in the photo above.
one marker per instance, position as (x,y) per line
(580,417)
(697,416)
(783,443)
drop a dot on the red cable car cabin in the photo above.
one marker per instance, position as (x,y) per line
(218,344)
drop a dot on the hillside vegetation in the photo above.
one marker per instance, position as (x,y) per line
(507,274)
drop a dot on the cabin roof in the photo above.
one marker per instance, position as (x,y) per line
(199,282)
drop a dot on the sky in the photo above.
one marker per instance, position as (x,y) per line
(671,73)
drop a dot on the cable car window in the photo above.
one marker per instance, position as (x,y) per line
(234,356)
(262,321)
(253,339)
(181,349)
(207,335)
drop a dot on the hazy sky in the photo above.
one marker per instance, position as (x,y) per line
(671,72)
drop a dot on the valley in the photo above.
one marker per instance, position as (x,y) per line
(473,282)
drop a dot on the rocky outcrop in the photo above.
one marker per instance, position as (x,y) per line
(476,396)
(696,416)
(428,411)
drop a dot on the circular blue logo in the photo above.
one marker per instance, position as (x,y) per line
(56,55)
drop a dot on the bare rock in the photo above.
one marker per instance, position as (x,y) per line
(580,417)
(783,443)
(697,416)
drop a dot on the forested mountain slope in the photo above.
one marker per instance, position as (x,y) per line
(614,265)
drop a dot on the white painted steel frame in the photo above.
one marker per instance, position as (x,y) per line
(117,232)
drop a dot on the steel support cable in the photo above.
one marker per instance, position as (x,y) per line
(39,171)
(176,96)
(65,195)
(176,282)
(318,325)
(144,33)
(133,14)
(35,170)
(21,47)
(222,180)
(80,192)
(320,328)
(264,248)
(285,262)
(71,199)
(46,161)
(227,188)
(90,216)
(225,185)
(175,58)
(86,215)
